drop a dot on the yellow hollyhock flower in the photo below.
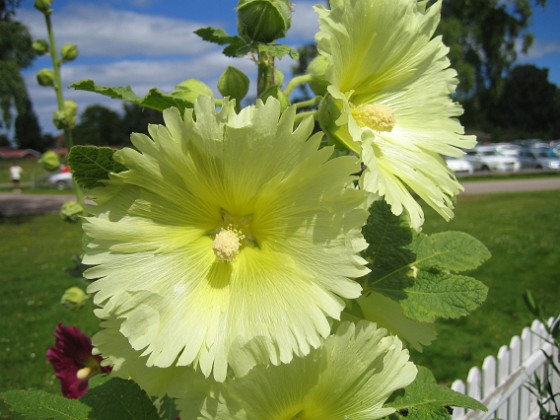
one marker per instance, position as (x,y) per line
(227,232)
(349,377)
(389,100)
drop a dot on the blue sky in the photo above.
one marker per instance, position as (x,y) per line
(150,43)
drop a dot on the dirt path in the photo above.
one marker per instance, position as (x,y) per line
(30,204)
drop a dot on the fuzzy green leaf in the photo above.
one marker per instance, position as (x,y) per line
(91,165)
(155,98)
(119,399)
(424,399)
(42,405)
(449,251)
(442,295)
(235,45)
(388,253)
(277,50)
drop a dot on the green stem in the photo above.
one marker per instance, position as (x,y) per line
(295,82)
(309,102)
(60,98)
(302,115)
(265,78)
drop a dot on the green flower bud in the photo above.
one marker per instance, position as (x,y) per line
(191,89)
(50,161)
(74,298)
(69,52)
(43,6)
(277,93)
(263,20)
(233,83)
(278,77)
(40,46)
(317,69)
(66,118)
(71,212)
(45,77)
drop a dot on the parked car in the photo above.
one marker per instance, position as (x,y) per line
(465,164)
(61,181)
(544,159)
(505,157)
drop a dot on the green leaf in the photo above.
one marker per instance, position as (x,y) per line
(235,45)
(442,295)
(42,405)
(450,251)
(277,50)
(167,409)
(91,165)
(155,99)
(119,399)
(215,35)
(388,253)
(425,399)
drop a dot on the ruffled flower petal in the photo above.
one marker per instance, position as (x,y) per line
(391,83)
(350,376)
(226,228)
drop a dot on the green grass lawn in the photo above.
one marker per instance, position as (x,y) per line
(521,230)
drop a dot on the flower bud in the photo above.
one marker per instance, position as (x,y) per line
(74,298)
(66,118)
(71,211)
(50,161)
(43,6)
(69,52)
(278,77)
(277,93)
(40,46)
(233,83)
(45,77)
(317,69)
(263,20)
(191,89)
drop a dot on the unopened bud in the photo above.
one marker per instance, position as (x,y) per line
(74,298)
(69,52)
(66,117)
(40,46)
(233,83)
(318,69)
(263,20)
(71,211)
(45,77)
(50,161)
(276,92)
(43,5)
(278,77)
(191,89)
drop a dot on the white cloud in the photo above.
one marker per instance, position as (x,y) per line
(541,49)
(102,31)
(120,47)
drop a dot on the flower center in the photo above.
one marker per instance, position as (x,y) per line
(375,116)
(227,243)
(85,373)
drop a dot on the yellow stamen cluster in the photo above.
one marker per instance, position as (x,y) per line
(227,243)
(375,116)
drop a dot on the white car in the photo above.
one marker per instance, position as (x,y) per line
(464,164)
(544,159)
(61,181)
(503,157)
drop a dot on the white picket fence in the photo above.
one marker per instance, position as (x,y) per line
(502,382)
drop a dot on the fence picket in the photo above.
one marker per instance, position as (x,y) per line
(502,382)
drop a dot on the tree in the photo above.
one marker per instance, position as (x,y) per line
(16,53)
(99,126)
(527,105)
(136,119)
(27,129)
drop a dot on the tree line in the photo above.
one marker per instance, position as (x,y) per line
(501,101)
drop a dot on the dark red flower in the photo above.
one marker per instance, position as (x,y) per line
(73,362)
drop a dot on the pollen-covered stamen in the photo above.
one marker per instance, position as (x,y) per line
(375,116)
(227,243)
